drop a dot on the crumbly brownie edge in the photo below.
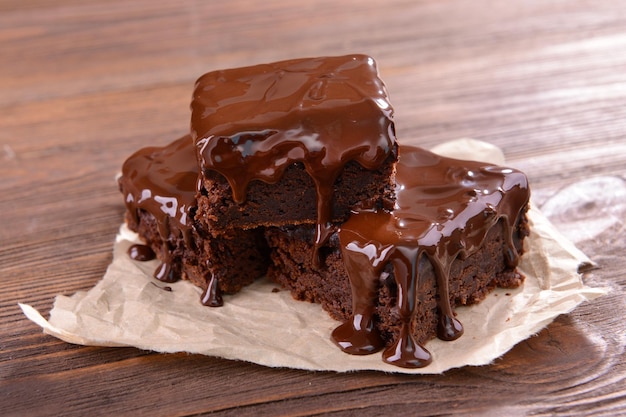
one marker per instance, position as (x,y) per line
(236,257)
(293,199)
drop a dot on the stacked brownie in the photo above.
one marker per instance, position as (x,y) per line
(292,170)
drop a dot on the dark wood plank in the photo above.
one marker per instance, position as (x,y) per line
(85,83)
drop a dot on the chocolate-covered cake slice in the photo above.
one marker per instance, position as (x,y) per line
(298,141)
(394,277)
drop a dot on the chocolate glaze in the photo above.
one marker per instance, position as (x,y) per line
(252,123)
(444,209)
(162,182)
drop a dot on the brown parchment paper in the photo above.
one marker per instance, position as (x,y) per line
(129,308)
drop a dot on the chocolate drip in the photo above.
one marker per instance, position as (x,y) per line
(359,335)
(252,123)
(141,253)
(167,271)
(444,209)
(212,296)
(511,256)
(162,181)
(448,327)
(405,352)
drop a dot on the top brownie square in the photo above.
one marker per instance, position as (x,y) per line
(298,141)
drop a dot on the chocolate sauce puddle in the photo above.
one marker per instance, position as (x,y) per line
(141,253)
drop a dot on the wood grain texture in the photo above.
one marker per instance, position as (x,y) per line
(85,83)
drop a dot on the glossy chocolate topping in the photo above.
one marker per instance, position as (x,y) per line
(162,181)
(444,209)
(252,123)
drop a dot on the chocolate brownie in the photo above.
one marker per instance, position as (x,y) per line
(297,141)
(159,186)
(394,277)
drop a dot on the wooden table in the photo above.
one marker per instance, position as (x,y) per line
(85,83)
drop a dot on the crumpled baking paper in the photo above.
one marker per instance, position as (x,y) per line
(268,327)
